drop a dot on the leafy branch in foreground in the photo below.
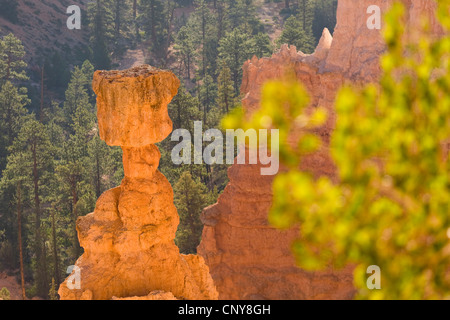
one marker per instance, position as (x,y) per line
(391,204)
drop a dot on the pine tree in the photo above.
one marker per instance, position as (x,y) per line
(53,293)
(306,15)
(100,17)
(30,161)
(207,95)
(77,98)
(201,23)
(324,17)
(235,48)
(102,164)
(186,49)
(294,34)
(152,17)
(263,45)
(12,116)
(190,199)
(226,94)
(12,65)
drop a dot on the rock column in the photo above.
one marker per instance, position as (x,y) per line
(128,241)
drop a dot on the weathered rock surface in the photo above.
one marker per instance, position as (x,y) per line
(247,258)
(128,241)
(132,105)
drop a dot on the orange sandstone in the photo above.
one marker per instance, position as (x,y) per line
(128,241)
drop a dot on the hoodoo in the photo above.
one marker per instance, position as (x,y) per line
(128,241)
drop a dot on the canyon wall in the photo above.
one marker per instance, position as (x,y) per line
(248,259)
(128,241)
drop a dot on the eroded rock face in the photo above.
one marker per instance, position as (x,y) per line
(132,105)
(247,258)
(128,241)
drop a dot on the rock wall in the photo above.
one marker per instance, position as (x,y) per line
(128,241)
(249,259)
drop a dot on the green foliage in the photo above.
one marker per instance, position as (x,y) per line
(390,205)
(226,93)
(186,49)
(7,259)
(324,17)
(12,66)
(294,34)
(30,162)
(235,48)
(190,198)
(155,26)
(56,72)
(12,116)
(100,17)
(53,293)
(5,294)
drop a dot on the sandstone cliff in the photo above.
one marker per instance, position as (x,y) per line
(248,259)
(128,241)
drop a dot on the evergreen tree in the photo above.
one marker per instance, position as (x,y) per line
(242,15)
(152,19)
(226,94)
(12,65)
(324,17)
(186,49)
(235,48)
(263,45)
(306,15)
(100,17)
(53,293)
(77,98)
(12,116)
(103,164)
(57,72)
(294,34)
(30,161)
(201,23)
(207,95)
(190,199)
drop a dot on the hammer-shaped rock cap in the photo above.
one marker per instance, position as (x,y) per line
(132,105)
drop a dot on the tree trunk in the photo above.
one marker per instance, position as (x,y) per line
(189,67)
(98,175)
(169,32)
(203,43)
(55,250)
(19,223)
(136,25)
(117,18)
(152,15)
(42,95)
(76,247)
(40,257)
(226,100)
(304,15)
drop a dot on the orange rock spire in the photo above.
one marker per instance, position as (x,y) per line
(128,241)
